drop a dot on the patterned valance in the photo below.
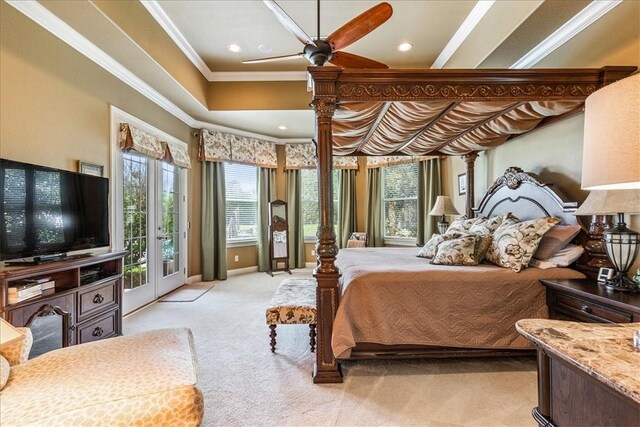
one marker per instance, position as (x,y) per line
(225,147)
(178,155)
(380,161)
(303,156)
(132,138)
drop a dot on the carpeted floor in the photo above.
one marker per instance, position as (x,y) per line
(245,384)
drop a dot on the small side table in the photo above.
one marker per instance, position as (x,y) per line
(585,300)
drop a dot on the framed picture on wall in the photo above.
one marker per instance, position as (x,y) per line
(90,169)
(462,184)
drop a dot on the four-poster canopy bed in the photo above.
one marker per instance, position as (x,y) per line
(434,112)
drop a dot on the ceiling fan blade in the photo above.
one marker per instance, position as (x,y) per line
(274,58)
(360,26)
(289,23)
(349,60)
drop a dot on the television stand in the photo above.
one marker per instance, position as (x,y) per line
(46,259)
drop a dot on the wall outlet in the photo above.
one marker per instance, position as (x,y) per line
(313,252)
(236,258)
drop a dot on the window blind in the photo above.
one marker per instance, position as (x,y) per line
(400,196)
(241,183)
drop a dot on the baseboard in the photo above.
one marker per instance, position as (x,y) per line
(239,271)
(194,279)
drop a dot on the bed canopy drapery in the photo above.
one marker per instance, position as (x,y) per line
(425,113)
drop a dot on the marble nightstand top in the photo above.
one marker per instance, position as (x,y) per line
(604,351)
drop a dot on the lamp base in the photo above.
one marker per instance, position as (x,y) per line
(621,283)
(442,227)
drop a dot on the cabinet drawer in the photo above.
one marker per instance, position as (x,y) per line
(100,328)
(94,301)
(591,310)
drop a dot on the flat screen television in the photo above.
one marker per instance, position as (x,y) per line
(45,211)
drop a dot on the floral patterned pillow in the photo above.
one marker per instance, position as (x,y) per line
(463,224)
(488,226)
(430,249)
(460,251)
(483,242)
(513,245)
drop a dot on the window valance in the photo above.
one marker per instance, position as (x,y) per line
(225,147)
(303,156)
(132,138)
(380,161)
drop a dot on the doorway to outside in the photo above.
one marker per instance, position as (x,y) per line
(150,213)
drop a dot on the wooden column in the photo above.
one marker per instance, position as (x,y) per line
(326,368)
(470,159)
(542,413)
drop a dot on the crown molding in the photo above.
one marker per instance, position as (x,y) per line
(161,17)
(257,76)
(470,22)
(587,16)
(56,26)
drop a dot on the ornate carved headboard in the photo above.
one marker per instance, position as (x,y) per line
(522,194)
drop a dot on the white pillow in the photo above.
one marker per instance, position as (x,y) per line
(563,258)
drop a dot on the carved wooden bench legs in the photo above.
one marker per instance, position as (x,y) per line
(312,337)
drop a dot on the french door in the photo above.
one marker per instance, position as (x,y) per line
(152,228)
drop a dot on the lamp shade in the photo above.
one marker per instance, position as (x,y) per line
(611,152)
(8,332)
(610,202)
(443,206)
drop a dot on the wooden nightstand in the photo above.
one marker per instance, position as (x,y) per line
(584,300)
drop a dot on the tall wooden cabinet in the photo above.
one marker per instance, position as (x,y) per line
(87,294)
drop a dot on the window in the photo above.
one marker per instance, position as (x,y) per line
(310,204)
(400,200)
(241,183)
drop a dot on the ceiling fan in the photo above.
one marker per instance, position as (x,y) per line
(319,51)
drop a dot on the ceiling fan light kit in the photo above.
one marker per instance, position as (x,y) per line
(319,51)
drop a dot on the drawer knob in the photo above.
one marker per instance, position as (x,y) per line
(586,309)
(97,332)
(98,299)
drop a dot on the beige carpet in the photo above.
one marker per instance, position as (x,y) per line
(245,384)
(188,293)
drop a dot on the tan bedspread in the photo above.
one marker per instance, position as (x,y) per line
(390,296)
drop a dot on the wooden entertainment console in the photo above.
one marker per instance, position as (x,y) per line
(88,294)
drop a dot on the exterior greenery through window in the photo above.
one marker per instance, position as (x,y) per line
(241,183)
(135,180)
(309,201)
(400,200)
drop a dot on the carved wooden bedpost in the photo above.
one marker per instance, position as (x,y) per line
(326,368)
(470,159)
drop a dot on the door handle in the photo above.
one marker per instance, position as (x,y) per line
(162,237)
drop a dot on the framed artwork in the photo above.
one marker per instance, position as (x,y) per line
(90,169)
(462,184)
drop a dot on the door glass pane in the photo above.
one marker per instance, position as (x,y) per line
(170,229)
(136,178)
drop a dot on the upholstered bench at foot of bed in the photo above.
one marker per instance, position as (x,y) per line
(146,379)
(293,303)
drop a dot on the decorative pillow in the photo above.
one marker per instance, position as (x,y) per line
(431,247)
(17,351)
(483,242)
(513,245)
(463,224)
(563,258)
(5,369)
(489,226)
(460,251)
(555,239)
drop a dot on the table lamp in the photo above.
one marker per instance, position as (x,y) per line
(442,207)
(611,161)
(8,333)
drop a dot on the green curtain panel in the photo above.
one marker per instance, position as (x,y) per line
(429,188)
(347,212)
(294,214)
(375,232)
(214,237)
(266,194)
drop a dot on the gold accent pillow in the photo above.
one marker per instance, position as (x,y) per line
(513,245)
(17,352)
(460,251)
(5,369)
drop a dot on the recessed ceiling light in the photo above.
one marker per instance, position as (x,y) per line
(265,48)
(234,48)
(282,127)
(405,47)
